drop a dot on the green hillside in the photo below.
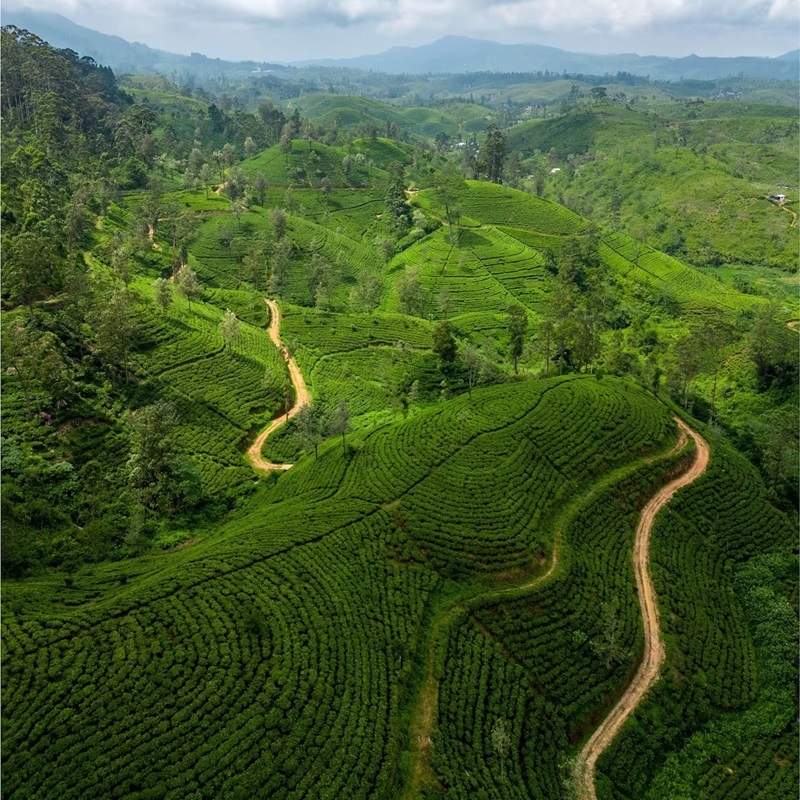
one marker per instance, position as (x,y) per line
(329,473)
(690,178)
(346,111)
(150,664)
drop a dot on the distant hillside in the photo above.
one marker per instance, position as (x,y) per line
(690,179)
(463,54)
(123,56)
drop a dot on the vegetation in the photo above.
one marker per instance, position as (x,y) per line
(495,363)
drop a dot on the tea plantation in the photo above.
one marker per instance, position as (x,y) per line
(276,658)
(367,450)
(254,646)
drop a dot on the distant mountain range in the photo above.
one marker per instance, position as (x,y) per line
(451,54)
(124,56)
(462,54)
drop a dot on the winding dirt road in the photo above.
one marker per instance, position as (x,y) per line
(788,211)
(654,653)
(302,397)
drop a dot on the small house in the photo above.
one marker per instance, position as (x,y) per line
(779,197)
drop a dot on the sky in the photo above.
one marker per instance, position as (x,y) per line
(292,30)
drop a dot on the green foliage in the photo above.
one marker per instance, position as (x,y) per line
(722,654)
(274,646)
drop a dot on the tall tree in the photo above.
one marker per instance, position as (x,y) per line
(188,284)
(448,186)
(517,328)
(410,293)
(444,344)
(493,155)
(339,422)
(114,326)
(366,294)
(712,339)
(162,295)
(472,362)
(310,427)
(32,266)
(229,327)
(161,477)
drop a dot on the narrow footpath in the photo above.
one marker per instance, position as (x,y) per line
(654,653)
(301,395)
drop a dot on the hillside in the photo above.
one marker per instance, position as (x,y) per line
(693,179)
(154,649)
(342,111)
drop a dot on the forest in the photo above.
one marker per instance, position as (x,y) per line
(329,416)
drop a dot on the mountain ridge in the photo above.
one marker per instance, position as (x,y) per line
(449,54)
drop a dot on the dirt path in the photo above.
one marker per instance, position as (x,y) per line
(788,211)
(654,652)
(302,397)
(425,714)
(794,325)
(423,717)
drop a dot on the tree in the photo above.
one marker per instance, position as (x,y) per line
(162,479)
(517,328)
(444,303)
(500,742)
(182,228)
(609,647)
(396,203)
(162,295)
(322,280)
(712,339)
(773,350)
(546,340)
(188,284)
(260,187)
(286,141)
(493,155)
(256,259)
(340,422)
(310,427)
(447,188)
(113,324)
(327,187)
(444,344)
(206,177)
(229,327)
(366,294)
(281,258)
(410,292)
(35,358)
(277,221)
(687,362)
(472,361)
(31,266)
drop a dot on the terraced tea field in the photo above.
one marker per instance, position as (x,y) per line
(276,658)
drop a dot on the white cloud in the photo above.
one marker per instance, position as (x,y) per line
(611,15)
(294,29)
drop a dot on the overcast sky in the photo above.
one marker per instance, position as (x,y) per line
(289,30)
